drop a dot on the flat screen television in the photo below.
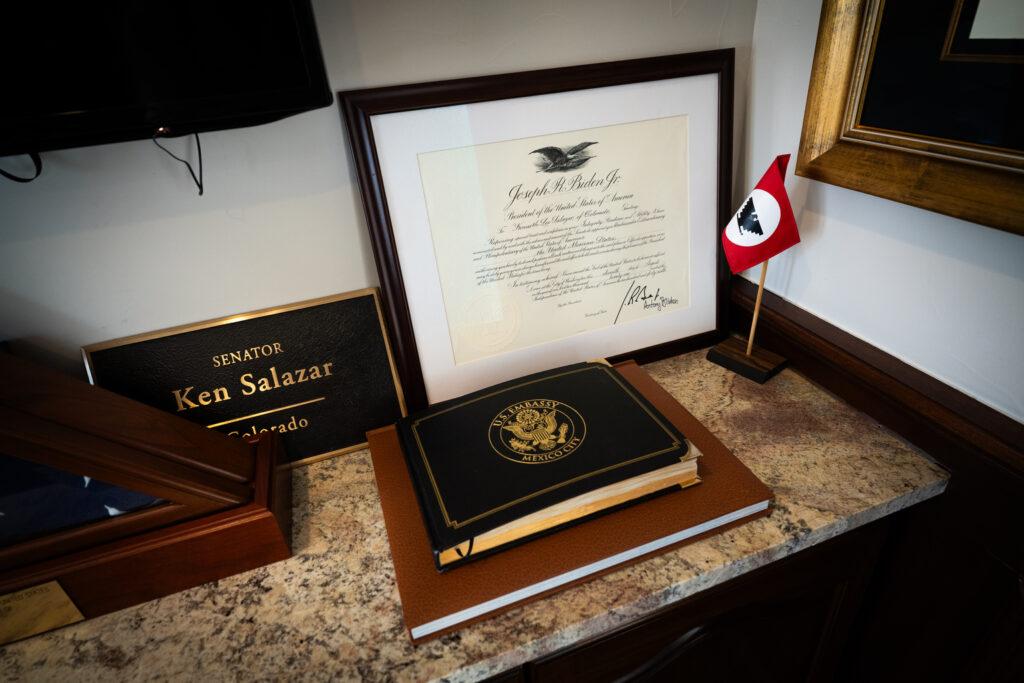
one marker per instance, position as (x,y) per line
(87,73)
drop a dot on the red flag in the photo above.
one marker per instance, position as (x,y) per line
(764,225)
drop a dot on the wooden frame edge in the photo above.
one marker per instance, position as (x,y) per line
(259,533)
(963,189)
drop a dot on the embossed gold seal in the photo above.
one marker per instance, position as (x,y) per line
(537,431)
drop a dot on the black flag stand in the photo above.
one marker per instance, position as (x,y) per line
(744,358)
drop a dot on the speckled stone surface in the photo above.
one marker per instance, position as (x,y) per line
(332,611)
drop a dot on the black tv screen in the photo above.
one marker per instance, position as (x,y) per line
(84,73)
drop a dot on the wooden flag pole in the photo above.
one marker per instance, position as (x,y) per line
(757,307)
(755,363)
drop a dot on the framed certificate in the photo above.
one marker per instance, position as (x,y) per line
(525,221)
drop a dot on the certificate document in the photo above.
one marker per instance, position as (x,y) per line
(541,238)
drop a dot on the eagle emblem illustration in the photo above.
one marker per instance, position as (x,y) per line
(533,429)
(558,160)
(536,431)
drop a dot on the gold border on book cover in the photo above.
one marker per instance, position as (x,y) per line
(455,524)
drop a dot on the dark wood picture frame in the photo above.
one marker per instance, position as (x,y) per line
(973,182)
(358,106)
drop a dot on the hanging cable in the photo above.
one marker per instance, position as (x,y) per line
(199,151)
(36,161)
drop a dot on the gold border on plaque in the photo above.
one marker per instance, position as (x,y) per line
(88,350)
(454,524)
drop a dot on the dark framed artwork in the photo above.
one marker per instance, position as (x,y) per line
(524,221)
(920,104)
(984,34)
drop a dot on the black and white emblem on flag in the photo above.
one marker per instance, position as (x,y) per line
(747,218)
(755,221)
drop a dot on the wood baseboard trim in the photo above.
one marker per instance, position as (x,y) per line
(957,430)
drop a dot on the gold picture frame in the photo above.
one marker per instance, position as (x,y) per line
(977,183)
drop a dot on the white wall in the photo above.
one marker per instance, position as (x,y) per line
(941,294)
(113,240)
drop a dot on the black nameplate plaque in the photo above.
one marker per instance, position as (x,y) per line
(320,372)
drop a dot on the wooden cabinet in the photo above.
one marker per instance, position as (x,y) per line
(788,621)
(914,596)
(946,602)
(944,605)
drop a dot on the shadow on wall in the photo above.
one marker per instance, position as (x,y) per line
(48,351)
(960,240)
(739,128)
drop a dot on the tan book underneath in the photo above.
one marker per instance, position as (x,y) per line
(435,603)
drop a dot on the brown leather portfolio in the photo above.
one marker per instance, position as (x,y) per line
(435,603)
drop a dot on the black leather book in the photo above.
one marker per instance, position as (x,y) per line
(529,456)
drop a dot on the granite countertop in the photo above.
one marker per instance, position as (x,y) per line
(332,611)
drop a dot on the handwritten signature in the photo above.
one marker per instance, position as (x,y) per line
(638,294)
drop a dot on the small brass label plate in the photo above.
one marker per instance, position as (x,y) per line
(35,610)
